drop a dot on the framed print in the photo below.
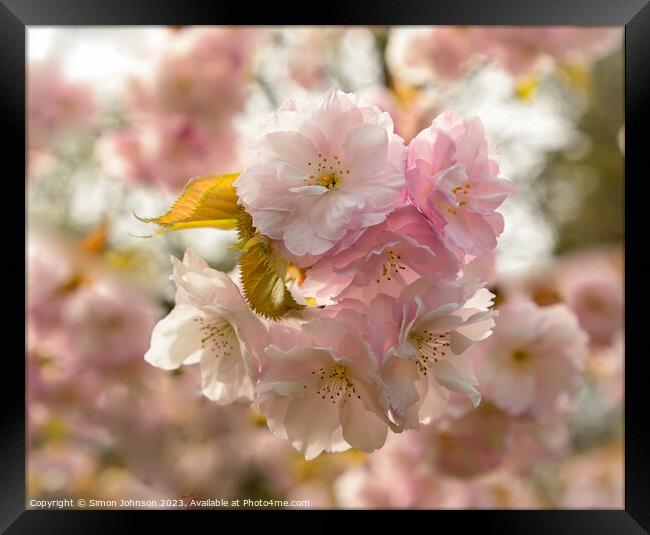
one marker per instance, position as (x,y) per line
(377,261)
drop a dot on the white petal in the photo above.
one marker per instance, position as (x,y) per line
(481,300)
(225,379)
(310,422)
(449,377)
(366,148)
(291,147)
(176,339)
(362,429)
(300,237)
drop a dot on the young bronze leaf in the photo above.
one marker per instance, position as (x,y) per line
(204,202)
(263,284)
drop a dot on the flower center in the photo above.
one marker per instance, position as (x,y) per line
(520,355)
(217,336)
(391,266)
(327,174)
(461,193)
(335,384)
(431,347)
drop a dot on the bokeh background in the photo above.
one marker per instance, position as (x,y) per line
(119,118)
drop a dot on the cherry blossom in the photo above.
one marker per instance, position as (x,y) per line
(453,179)
(211,325)
(165,151)
(322,389)
(421,337)
(447,53)
(56,105)
(323,170)
(535,358)
(385,259)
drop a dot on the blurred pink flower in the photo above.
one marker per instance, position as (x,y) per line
(401,475)
(211,324)
(166,151)
(109,324)
(386,258)
(56,106)
(598,304)
(49,271)
(322,389)
(452,178)
(323,170)
(592,480)
(474,443)
(181,111)
(79,314)
(200,73)
(591,283)
(60,470)
(522,51)
(503,489)
(534,360)
(449,52)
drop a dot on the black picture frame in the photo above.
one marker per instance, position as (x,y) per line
(17,15)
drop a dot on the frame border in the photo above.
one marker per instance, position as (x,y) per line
(16,15)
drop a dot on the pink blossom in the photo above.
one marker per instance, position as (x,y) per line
(522,51)
(598,305)
(182,112)
(503,489)
(591,283)
(109,324)
(323,170)
(401,475)
(452,178)
(534,360)
(49,271)
(200,73)
(322,390)
(482,267)
(450,52)
(592,480)
(421,337)
(447,51)
(386,258)
(309,51)
(60,470)
(166,151)
(476,442)
(55,105)
(211,325)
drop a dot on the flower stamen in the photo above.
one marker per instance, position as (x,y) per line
(335,384)
(431,346)
(216,335)
(328,175)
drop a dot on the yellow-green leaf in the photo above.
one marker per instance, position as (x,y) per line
(261,273)
(204,202)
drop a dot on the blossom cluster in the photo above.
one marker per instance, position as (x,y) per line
(449,52)
(550,367)
(181,110)
(377,310)
(118,120)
